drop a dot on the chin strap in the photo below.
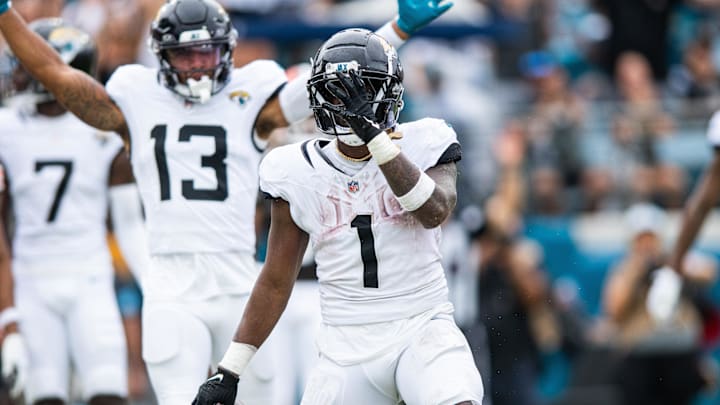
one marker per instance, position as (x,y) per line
(200,89)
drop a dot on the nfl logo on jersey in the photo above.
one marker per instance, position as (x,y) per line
(353,186)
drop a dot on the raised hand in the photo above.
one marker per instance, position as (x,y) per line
(356,109)
(221,388)
(415,14)
(15,363)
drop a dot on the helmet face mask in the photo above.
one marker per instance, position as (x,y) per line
(193,40)
(376,63)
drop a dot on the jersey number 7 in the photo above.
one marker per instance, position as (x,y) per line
(67,167)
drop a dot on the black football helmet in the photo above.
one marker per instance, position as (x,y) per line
(75,47)
(376,62)
(191,23)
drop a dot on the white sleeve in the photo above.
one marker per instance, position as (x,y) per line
(713,132)
(428,141)
(388,33)
(294,99)
(129,227)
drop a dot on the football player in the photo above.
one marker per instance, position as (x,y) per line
(196,127)
(370,202)
(62,175)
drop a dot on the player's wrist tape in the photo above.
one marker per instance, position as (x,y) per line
(5,7)
(419,194)
(388,32)
(382,148)
(8,316)
(237,357)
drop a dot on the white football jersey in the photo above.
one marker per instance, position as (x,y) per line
(58,172)
(196,165)
(375,261)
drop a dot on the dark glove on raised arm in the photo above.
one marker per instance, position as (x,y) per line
(358,111)
(221,388)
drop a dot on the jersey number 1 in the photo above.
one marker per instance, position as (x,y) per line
(216,161)
(67,167)
(367,249)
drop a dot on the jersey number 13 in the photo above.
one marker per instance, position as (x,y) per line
(216,161)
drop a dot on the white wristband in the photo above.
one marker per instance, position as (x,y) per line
(382,148)
(388,32)
(419,194)
(237,357)
(8,316)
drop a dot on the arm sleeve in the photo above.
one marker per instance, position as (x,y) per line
(294,99)
(281,176)
(433,144)
(127,218)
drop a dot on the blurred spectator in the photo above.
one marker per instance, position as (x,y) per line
(513,292)
(513,307)
(698,82)
(553,132)
(663,360)
(89,15)
(531,19)
(651,41)
(634,168)
(575,31)
(120,38)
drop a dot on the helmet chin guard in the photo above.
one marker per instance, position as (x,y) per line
(200,90)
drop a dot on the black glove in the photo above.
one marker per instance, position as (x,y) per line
(358,111)
(221,388)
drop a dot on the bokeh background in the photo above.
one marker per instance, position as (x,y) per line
(583,129)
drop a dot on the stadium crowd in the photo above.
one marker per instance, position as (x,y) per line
(583,125)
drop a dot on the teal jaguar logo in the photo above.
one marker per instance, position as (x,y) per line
(240,97)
